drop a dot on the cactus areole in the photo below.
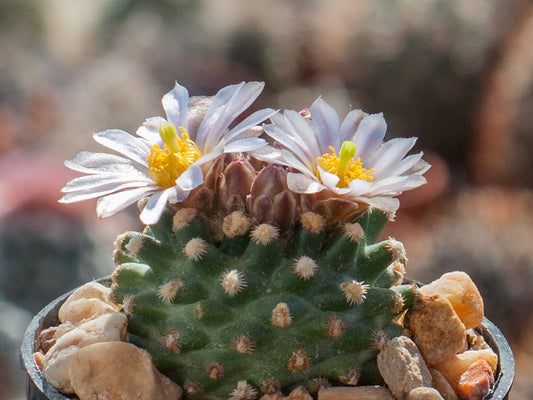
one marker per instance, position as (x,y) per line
(260,268)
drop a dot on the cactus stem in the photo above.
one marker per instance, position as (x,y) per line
(183,218)
(351,377)
(354,291)
(236,224)
(336,326)
(243,344)
(168,291)
(313,222)
(233,282)
(354,231)
(298,361)
(195,249)
(244,391)
(214,370)
(264,234)
(318,383)
(172,341)
(305,267)
(281,316)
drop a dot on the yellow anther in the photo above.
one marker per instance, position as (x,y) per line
(168,163)
(345,167)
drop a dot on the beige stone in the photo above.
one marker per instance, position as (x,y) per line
(119,371)
(463,295)
(402,367)
(424,393)
(442,385)
(355,393)
(88,301)
(436,329)
(107,327)
(455,366)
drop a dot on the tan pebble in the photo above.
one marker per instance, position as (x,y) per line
(476,382)
(436,329)
(424,393)
(119,370)
(475,340)
(402,366)
(355,393)
(39,359)
(273,396)
(442,385)
(455,366)
(108,327)
(88,301)
(300,393)
(463,295)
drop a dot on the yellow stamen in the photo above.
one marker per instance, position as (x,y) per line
(167,164)
(345,167)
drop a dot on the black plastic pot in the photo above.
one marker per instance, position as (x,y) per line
(37,388)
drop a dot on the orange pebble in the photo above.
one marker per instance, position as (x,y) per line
(476,381)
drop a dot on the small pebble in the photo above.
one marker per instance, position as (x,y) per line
(87,302)
(119,371)
(436,329)
(355,393)
(455,366)
(476,381)
(424,393)
(462,293)
(402,367)
(442,385)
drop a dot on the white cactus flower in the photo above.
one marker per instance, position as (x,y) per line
(164,161)
(347,160)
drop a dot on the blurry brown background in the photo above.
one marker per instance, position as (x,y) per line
(457,74)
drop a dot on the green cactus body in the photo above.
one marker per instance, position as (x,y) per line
(248,309)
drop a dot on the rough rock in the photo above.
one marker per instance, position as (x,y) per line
(106,328)
(476,381)
(436,329)
(455,366)
(88,301)
(117,371)
(442,385)
(402,367)
(355,393)
(424,393)
(463,295)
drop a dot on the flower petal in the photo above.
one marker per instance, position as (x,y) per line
(389,155)
(108,205)
(149,130)
(106,164)
(301,183)
(191,178)
(226,105)
(386,204)
(132,147)
(289,142)
(350,124)
(326,120)
(94,182)
(175,103)
(75,195)
(253,120)
(369,135)
(154,207)
(244,145)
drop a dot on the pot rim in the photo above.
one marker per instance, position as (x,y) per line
(38,388)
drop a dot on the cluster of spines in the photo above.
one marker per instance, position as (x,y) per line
(310,304)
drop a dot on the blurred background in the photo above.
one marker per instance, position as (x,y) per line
(456,74)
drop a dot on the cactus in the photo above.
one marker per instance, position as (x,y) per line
(260,309)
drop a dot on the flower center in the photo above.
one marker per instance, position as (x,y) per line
(344,166)
(179,152)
